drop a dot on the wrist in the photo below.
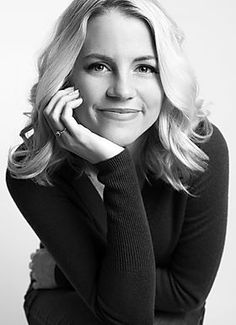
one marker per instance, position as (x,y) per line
(104,150)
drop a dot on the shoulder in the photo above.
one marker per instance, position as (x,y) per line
(59,177)
(216,146)
(216,150)
(217,169)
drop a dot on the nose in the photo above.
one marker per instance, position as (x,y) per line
(121,88)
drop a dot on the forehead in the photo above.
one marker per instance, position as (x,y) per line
(116,34)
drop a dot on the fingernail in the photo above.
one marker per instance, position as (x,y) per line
(79,103)
(73,93)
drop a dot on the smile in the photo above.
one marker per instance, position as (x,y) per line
(119,114)
(120,110)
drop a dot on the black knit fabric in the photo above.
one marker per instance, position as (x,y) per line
(139,251)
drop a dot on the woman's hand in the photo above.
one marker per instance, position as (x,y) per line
(74,136)
(42,267)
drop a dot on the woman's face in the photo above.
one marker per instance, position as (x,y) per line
(117,75)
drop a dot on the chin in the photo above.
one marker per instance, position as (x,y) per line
(120,140)
(126,140)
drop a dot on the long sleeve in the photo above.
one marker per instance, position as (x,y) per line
(183,283)
(118,286)
(129,258)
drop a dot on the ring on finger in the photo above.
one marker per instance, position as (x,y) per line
(59,132)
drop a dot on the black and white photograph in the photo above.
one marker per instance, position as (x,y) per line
(117,161)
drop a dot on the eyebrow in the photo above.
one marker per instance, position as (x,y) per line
(107,58)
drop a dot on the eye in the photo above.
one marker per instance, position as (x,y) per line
(146,69)
(98,67)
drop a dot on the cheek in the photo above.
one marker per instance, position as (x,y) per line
(153,100)
(92,93)
(90,89)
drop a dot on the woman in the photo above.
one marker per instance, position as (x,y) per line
(124,179)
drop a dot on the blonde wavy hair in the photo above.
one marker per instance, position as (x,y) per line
(171,151)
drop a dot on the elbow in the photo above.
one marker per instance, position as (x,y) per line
(192,305)
(189,301)
(181,307)
(181,300)
(193,298)
(188,296)
(130,316)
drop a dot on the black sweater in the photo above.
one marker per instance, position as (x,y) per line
(139,251)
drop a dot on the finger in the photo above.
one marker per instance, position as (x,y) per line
(35,285)
(56,98)
(32,255)
(54,117)
(33,276)
(40,250)
(53,102)
(60,97)
(67,116)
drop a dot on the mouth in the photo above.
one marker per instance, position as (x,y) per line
(120,110)
(119,113)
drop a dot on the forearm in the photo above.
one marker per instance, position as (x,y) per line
(128,269)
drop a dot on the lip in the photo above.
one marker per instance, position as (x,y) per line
(120,110)
(118,114)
